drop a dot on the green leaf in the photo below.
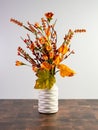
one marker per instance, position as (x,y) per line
(45,80)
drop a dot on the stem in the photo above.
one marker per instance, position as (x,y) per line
(28,65)
(68,55)
(57,71)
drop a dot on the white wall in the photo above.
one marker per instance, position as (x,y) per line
(18,82)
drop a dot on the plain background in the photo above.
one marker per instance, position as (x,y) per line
(18,82)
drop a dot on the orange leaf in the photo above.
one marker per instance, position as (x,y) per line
(63,49)
(46,65)
(65,70)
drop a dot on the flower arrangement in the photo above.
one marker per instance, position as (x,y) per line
(46,56)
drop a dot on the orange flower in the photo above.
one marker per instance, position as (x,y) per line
(37,25)
(43,23)
(42,40)
(16,22)
(51,54)
(49,15)
(45,57)
(34,68)
(31,28)
(79,30)
(48,47)
(69,36)
(46,65)
(63,49)
(19,63)
(31,46)
(65,70)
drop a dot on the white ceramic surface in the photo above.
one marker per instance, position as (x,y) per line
(48,100)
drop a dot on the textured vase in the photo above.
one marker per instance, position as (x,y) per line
(48,100)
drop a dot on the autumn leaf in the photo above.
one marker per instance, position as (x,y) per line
(45,80)
(65,70)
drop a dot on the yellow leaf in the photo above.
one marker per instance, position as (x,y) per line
(63,49)
(65,70)
(45,80)
(57,60)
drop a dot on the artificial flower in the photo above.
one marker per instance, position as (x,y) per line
(19,63)
(46,56)
(49,15)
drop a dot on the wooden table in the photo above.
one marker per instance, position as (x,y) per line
(73,115)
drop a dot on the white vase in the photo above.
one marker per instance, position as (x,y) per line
(48,100)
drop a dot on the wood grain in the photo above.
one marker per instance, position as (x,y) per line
(73,115)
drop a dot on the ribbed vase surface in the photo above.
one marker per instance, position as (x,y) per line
(48,100)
